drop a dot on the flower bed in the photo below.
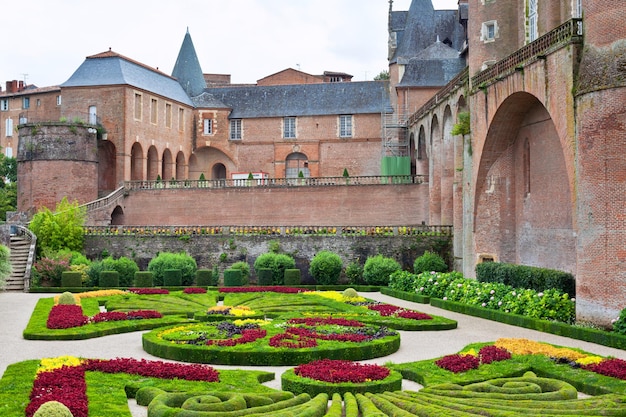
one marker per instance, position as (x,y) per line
(269,288)
(67,316)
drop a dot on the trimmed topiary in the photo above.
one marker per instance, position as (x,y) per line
(277,262)
(265,276)
(71,279)
(53,409)
(428,262)
(172,278)
(350,293)
(205,278)
(233,278)
(326,267)
(67,298)
(378,268)
(143,279)
(109,279)
(292,277)
(245,271)
(168,260)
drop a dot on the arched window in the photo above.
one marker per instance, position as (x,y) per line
(295,163)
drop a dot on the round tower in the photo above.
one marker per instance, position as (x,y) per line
(56,160)
(601,166)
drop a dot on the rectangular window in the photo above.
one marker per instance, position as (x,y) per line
(93,115)
(181,119)
(168,115)
(345,126)
(289,127)
(533,31)
(9,127)
(235,129)
(26,103)
(4,104)
(58,100)
(138,106)
(489,31)
(8,152)
(38,103)
(208,127)
(153,111)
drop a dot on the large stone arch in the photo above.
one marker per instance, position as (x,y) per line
(180,166)
(435,171)
(422,165)
(447,168)
(522,205)
(107,167)
(136,162)
(153,163)
(167,165)
(203,160)
(296,163)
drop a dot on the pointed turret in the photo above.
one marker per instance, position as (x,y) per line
(187,69)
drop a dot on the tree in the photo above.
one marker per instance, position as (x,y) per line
(463,128)
(8,185)
(382,76)
(61,229)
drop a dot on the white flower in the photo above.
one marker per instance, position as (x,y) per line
(499,303)
(491,298)
(432,272)
(451,291)
(492,292)
(445,298)
(421,288)
(459,285)
(507,311)
(513,293)
(573,300)
(436,283)
(484,304)
(540,294)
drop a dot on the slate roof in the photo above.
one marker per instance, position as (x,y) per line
(187,69)
(304,99)
(111,68)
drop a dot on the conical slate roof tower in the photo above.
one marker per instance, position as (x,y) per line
(187,69)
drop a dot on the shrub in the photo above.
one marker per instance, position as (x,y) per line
(265,276)
(292,277)
(62,229)
(326,267)
(378,268)
(71,279)
(53,409)
(109,279)
(277,262)
(523,276)
(402,281)
(233,278)
(172,277)
(205,278)
(350,293)
(245,271)
(124,266)
(168,260)
(5,265)
(429,261)
(49,269)
(354,273)
(67,298)
(143,279)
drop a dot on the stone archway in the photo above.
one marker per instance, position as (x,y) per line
(136,162)
(167,165)
(522,206)
(117,217)
(218,172)
(422,163)
(107,167)
(447,169)
(295,163)
(434,176)
(153,163)
(180,166)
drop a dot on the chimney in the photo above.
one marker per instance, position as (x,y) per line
(12,86)
(21,87)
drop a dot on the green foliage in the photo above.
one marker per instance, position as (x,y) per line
(62,229)
(245,271)
(202,177)
(377,269)
(109,279)
(168,260)
(143,279)
(463,126)
(49,269)
(172,277)
(619,325)
(124,266)
(277,262)
(382,76)
(274,246)
(67,298)
(265,276)
(8,198)
(354,273)
(349,293)
(233,278)
(71,279)
(293,277)
(5,265)
(530,277)
(345,173)
(402,281)
(429,261)
(205,278)
(53,409)
(326,267)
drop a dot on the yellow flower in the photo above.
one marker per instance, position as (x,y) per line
(243,322)
(589,360)
(49,364)
(530,347)
(470,352)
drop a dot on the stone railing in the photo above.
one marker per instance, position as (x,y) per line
(277,182)
(105,201)
(180,231)
(569,32)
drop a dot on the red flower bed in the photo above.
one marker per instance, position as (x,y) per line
(390,310)
(120,315)
(320,321)
(285,290)
(492,353)
(613,367)
(247,336)
(157,369)
(194,290)
(458,363)
(338,371)
(149,291)
(65,385)
(65,316)
(305,338)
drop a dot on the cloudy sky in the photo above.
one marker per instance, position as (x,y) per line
(46,40)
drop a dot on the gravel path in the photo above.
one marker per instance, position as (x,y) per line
(16,308)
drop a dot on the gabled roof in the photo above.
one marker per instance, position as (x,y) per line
(187,69)
(305,99)
(111,68)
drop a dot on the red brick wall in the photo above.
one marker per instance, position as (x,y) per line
(342,205)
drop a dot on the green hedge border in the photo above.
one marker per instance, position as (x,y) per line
(245,355)
(299,385)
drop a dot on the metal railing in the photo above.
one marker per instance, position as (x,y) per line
(180,231)
(565,34)
(30,236)
(276,182)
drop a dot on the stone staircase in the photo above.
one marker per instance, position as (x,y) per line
(22,254)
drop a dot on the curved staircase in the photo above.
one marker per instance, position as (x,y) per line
(22,247)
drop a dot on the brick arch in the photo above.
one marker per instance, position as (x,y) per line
(136,162)
(510,223)
(167,165)
(447,168)
(107,166)
(153,163)
(434,177)
(180,166)
(203,159)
